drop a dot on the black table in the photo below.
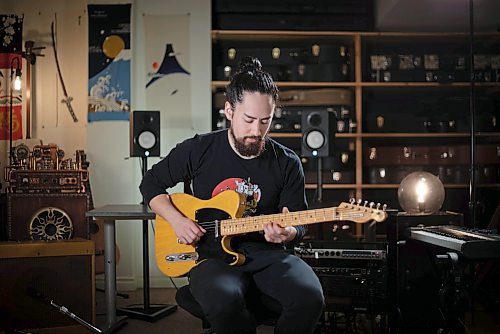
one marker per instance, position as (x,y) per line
(109,214)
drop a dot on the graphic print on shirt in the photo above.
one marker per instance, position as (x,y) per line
(252,191)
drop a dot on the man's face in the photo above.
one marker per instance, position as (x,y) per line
(250,122)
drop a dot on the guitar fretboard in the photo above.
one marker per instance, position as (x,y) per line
(254,224)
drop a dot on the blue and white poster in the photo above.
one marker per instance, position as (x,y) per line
(109,89)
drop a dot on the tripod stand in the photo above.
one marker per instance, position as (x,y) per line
(146,311)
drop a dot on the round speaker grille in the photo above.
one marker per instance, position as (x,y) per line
(146,140)
(50,224)
(314,119)
(315,139)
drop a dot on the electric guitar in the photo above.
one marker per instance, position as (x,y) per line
(175,260)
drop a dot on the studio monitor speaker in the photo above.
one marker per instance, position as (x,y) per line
(318,131)
(145,134)
(35,272)
(47,216)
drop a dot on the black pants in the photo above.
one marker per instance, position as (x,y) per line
(220,289)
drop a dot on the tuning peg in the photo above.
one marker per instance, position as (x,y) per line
(359,201)
(378,206)
(371,205)
(384,207)
(365,203)
(352,200)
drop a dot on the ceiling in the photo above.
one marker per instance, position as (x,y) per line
(436,15)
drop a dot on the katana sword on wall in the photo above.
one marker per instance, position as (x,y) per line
(67,99)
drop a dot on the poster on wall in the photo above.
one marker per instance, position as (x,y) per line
(168,82)
(109,62)
(11,40)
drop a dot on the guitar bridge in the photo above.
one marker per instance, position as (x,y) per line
(182,257)
(216,222)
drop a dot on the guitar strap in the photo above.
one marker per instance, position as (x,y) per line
(187,186)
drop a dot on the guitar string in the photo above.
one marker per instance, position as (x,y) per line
(210,225)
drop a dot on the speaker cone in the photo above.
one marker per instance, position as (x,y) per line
(314,139)
(146,140)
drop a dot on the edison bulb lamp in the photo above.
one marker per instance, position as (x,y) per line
(421,193)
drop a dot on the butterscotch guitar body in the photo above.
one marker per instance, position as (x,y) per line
(174,259)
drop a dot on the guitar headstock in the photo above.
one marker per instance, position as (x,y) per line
(359,212)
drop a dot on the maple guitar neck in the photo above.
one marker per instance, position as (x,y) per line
(254,224)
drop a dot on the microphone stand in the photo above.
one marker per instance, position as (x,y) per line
(472,185)
(34,293)
(64,310)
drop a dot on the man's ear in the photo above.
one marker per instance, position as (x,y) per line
(228,111)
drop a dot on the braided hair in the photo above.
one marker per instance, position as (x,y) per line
(249,77)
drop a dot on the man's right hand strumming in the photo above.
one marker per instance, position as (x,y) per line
(187,231)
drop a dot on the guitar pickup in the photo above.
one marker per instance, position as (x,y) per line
(182,257)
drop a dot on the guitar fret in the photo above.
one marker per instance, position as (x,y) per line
(254,224)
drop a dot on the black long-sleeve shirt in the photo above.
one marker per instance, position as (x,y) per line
(275,178)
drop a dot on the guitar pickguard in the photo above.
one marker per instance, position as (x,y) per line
(209,246)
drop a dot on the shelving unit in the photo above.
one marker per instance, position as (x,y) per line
(364,44)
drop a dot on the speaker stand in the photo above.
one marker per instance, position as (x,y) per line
(146,312)
(319,182)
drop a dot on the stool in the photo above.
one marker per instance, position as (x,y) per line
(265,309)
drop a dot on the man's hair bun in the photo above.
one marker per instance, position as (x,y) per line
(249,64)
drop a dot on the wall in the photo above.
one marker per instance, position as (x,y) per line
(114,176)
(431,15)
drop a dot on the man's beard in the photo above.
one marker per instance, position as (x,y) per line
(250,149)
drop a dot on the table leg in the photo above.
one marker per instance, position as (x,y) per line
(110,276)
(147,311)
(110,270)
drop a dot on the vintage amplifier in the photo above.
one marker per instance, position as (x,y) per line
(353,274)
(447,174)
(316,97)
(47,216)
(269,54)
(26,180)
(387,114)
(35,272)
(331,176)
(289,118)
(486,154)
(320,53)
(278,72)
(326,72)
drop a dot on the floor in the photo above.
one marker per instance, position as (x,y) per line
(485,320)
(180,322)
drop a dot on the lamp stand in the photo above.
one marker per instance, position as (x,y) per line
(472,181)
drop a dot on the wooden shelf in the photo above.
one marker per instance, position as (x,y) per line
(252,35)
(450,186)
(415,135)
(391,186)
(428,84)
(392,135)
(361,44)
(262,35)
(331,186)
(299,135)
(427,135)
(294,84)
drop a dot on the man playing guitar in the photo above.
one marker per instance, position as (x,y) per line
(243,159)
